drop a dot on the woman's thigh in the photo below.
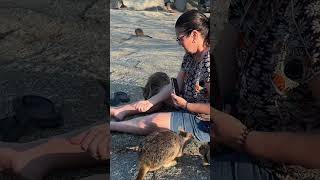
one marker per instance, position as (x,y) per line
(190,123)
(161,120)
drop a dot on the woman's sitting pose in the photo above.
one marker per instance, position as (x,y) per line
(192,29)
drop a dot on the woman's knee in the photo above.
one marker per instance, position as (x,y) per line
(146,122)
(158,120)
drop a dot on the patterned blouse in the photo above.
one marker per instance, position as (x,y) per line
(278,54)
(196,74)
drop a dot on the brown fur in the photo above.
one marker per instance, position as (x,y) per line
(154,84)
(142,172)
(204,150)
(160,149)
(139,32)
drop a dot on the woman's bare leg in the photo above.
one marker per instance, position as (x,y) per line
(143,125)
(33,160)
(121,112)
(128,109)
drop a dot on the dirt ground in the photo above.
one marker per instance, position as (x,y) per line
(56,49)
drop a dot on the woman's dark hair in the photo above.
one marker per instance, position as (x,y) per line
(195,20)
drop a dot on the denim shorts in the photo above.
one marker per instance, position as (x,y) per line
(190,123)
(231,165)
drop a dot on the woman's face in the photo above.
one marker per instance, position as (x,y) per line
(186,41)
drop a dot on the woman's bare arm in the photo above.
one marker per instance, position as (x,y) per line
(162,95)
(291,148)
(203,108)
(166,90)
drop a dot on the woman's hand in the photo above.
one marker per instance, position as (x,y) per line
(96,141)
(178,101)
(143,106)
(226,129)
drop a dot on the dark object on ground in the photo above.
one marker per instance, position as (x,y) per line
(119,97)
(41,111)
(29,110)
(154,84)
(160,149)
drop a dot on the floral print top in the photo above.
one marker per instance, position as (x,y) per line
(278,39)
(196,74)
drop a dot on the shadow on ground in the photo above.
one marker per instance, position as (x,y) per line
(80,99)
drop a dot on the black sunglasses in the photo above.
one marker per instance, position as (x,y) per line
(178,39)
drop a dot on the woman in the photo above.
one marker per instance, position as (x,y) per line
(192,30)
(279,126)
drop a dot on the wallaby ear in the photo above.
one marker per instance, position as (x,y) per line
(189,136)
(182,133)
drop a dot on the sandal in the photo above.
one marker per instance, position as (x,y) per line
(119,97)
(41,111)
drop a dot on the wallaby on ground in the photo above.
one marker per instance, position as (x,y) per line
(139,33)
(160,149)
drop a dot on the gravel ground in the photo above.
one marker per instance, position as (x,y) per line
(56,49)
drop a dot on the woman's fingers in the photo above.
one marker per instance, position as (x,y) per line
(93,146)
(141,106)
(174,99)
(78,138)
(88,139)
(136,105)
(102,149)
(94,141)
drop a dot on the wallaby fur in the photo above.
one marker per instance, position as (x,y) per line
(160,149)
(204,150)
(154,84)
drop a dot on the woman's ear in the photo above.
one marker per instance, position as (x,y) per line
(194,35)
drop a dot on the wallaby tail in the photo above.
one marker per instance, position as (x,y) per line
(142,172)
